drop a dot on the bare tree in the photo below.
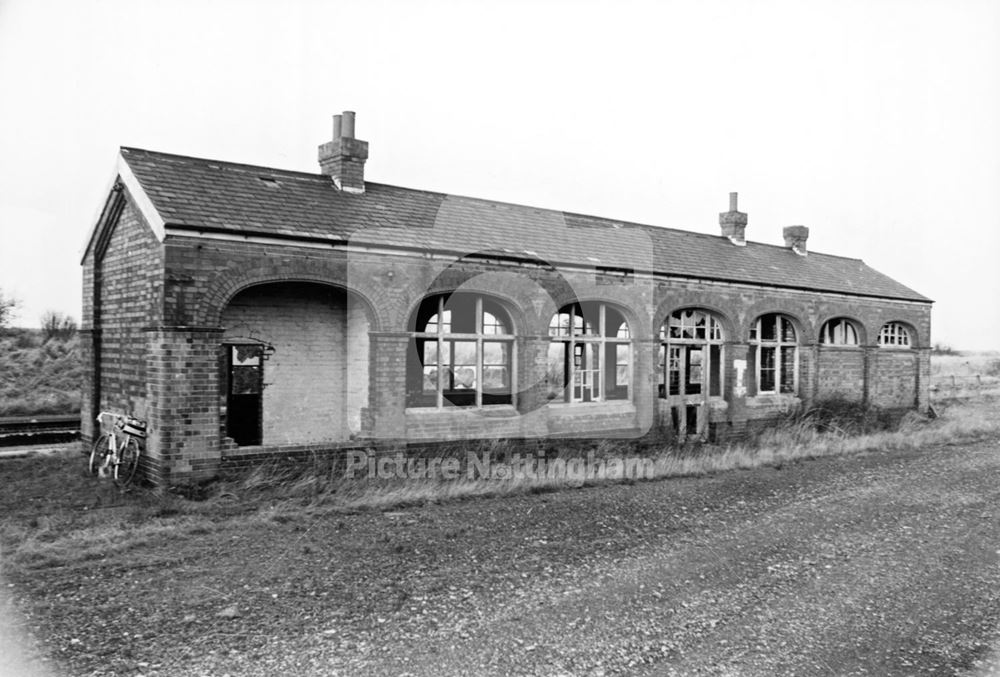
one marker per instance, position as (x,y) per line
(57,325)
(8,309)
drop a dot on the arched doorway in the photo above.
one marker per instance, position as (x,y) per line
(296,364)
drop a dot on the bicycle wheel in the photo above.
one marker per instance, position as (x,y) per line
(98,454)
(128,461)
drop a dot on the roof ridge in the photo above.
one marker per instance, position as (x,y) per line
(228,163)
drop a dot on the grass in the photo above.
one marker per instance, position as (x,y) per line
(39,376)
(87,520)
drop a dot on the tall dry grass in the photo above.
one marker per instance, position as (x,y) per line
(809,435)
(276,492)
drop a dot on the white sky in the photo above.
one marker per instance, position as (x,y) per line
(876,123)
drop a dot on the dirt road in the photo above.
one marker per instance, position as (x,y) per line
(878,564)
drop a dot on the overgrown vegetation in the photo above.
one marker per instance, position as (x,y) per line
(39,374)
(87,519)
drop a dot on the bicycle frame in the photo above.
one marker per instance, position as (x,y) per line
(121,436)
(111,459)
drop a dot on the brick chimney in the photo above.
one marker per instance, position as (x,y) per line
(344,157)
(795,238)
(734,223)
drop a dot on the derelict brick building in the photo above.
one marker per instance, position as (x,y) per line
(248,311)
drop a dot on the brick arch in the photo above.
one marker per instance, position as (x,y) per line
(633,318)
(671,306)
(509,303)
(806,332)
(520,295)
(226,284)
(859,325)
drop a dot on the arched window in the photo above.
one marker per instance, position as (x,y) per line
(589,355)
(775,350)
(462,353)
(691,355)
(839,332)
(894,335)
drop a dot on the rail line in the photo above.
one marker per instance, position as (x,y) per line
(49,429)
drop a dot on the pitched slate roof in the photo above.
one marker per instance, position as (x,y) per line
(212,196)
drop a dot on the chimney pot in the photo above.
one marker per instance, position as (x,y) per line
(348,125)
(734,223)
(795,238)
(336,127)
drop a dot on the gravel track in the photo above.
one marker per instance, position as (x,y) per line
(874,564)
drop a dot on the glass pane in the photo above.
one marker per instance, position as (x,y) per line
(621,365)
(788,369)
(495,353)
(674,370)
(491,325)
(767,376)
(555,378)
(464,365)
(692,385)
(559,326)
(769,328)
(715,371)
(787,331)
(430,382)
(431,352)
(495,379)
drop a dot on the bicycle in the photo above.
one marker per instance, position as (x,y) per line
(117,452)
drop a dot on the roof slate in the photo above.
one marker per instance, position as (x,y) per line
(219,196)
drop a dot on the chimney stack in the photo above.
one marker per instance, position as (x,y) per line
(734,223)
(343,159)
(795,238)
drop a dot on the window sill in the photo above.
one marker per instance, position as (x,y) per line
(783,400)
(495,409)
(609,404)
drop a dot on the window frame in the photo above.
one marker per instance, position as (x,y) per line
(900,333)
(577,334)
(671,349)
(829,330)
(776,346)
(442,320)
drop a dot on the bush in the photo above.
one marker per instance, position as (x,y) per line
(847,417)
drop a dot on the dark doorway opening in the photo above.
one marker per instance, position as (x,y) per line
(244,404)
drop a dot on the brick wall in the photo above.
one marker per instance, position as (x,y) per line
(122,298)
(840,373)
(895,379)
(340,362)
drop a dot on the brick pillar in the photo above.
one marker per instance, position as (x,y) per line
(182,367)
(923,379)
(870,373)
(809,374)
(387,387)
(532,367)
(737,381)
(644,381)
(87,413)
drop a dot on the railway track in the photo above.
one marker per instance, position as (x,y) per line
(15,431)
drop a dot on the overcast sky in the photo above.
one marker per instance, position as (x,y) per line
(875,123)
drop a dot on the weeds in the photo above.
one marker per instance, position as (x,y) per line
(281,494)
